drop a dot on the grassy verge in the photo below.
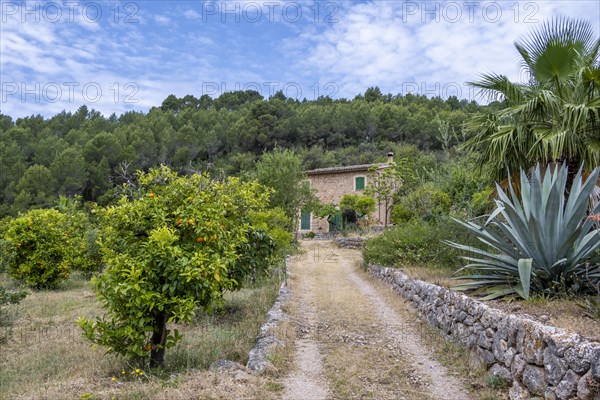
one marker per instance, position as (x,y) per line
(46,356)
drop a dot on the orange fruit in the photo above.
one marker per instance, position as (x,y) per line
(151,195)
(191,221)
(179,222)
(200,239)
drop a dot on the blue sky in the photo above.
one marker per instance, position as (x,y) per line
(116,56)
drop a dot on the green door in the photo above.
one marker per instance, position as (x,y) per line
(305,220)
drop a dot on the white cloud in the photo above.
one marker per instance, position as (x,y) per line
(191,14)
(393,46)
(162,20)
(372,43)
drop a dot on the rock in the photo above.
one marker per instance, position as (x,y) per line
(518,366)
(499,348)
(509,356)
(585,390)
(544,318)
(500,371)
(530,342)
(226,365)
(486,357)
(518,392)
(567,388)
(484,341)
(267,341)
(596,366)
(581,356)
(550,393)
(490,318)
(350,242)
(534,379)
(555,366)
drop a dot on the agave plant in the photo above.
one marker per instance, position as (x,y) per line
(538,241)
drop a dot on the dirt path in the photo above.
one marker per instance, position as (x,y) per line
(353,340)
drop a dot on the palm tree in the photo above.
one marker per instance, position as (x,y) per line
(555,116)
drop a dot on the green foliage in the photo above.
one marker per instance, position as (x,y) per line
(363,205)
(543,242)
(383,186)
(274,222)
(175,248)
(554,116)
(43,246)
(8,297)
(281,170)
(85,252)
(482,202)
(425,202)
(257,254)
(82,152)
(414,242)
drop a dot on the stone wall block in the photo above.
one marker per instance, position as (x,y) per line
(567,388)
(518,366)
(554,365)
(535,380)
(530,342)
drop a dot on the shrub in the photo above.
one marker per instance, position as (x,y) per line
(8,297)
(414,242)
(39,249)
(426,202)
(43,246)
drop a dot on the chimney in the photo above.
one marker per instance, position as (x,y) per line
(390,157)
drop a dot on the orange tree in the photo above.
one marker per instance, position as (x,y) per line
(175,248)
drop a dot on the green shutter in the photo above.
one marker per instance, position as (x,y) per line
(360,183)
(305,220)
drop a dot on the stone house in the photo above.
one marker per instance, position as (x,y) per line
(331,184)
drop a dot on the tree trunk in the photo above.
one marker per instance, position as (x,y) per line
(159,338)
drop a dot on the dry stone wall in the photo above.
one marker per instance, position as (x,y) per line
(350,242)
(540,361)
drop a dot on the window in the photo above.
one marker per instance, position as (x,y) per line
(305,220)
(359,183)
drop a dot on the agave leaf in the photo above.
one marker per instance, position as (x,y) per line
(552,221)
(501,258)
(588,245)
(494,214)
(499,293)
(487,236)
(525,276)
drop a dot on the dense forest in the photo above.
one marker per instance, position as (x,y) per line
(87,154)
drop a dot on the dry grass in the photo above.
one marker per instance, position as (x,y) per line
(47,358)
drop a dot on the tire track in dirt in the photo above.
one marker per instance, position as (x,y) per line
(307,381)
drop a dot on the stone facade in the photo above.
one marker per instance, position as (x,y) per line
(331,184)
(541,361)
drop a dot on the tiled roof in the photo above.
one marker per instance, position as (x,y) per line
(349,168)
